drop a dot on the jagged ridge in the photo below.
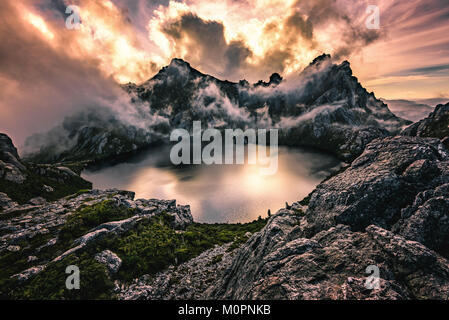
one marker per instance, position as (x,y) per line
(325,107)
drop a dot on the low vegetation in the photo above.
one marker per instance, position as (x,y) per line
(149,248)
(32,187)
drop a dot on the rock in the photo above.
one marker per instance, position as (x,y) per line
(110,260)
(37,201)
(425,272)
(292,267)
(13,248)
(427,220)
(190,280)
(89,237)
(436,125)
(7,148)
(67,171)
(11,173)
(386,178)
(27,274)
(31,259)
(6,202)
(48,188)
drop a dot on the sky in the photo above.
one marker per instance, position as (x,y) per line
(48,71)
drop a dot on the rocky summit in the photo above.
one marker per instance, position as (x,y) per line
(324,107)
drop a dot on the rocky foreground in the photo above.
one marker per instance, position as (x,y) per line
(389,208)
(113,238)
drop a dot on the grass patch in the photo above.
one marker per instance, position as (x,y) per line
(150,247)
(89,217)
(153,245)
(50,283)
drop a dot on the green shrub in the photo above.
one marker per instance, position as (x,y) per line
(50,283)
(150,247)
(153,245)
(89,217)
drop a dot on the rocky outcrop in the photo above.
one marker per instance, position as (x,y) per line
(22,181)
(6,202)
(388,177)
(188,281)
(387,211)
(110,260)
(436,125)
(35,223)
(331,265)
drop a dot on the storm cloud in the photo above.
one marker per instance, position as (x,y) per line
(48,72)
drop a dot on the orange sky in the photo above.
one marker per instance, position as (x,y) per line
(130,40)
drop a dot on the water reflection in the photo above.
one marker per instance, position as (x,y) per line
(219,193)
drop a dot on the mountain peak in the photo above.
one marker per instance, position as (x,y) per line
(179,62)
(318,60)
(275,79)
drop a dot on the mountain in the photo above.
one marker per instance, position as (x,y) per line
(388,210)
(323,107)
(22,181)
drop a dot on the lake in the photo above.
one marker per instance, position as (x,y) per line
(219,193)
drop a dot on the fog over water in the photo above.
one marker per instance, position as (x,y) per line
(219,193)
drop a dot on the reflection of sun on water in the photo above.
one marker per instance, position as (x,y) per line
(221,193)
(256,182)
(161,184)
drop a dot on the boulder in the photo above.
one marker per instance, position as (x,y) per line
(110,260)
(436,125)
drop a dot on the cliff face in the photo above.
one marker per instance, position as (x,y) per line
(390,209)
(435,125)
(21,180)
(324,107)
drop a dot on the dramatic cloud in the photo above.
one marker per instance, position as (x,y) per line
(240,40)
(48,71)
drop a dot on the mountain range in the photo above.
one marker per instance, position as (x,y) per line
(387,207)
(324,107)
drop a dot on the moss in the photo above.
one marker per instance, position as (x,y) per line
(150,247)
(50,283)
(153,245)
(14,262)
(89,217)
(78,193)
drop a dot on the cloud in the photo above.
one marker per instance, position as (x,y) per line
(283,42)
(205,44)
(409,110)
(47,71)
(429,70)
